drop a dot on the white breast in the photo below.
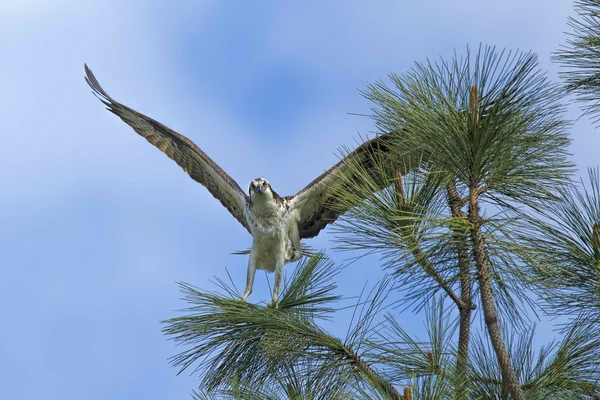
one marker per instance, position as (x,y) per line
(269,225)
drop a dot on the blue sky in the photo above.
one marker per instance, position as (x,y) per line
(97,225)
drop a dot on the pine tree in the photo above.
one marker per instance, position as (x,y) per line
(480,226)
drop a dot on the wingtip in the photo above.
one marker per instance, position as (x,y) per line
(88,71)
(89,75)
(93,83)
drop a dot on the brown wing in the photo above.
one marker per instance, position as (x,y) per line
(316,203)
(181,150)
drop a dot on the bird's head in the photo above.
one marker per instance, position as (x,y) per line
(260,188)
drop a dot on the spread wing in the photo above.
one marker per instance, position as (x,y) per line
(316,203)
(181,150)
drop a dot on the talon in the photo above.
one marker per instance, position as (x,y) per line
(245,296)
(273,304)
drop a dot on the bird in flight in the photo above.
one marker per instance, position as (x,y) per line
(277,224)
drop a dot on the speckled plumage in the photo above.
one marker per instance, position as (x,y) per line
(277,224)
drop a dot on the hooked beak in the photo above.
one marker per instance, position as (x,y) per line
(259,189)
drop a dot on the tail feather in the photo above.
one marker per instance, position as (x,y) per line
(241,252)
(306,251)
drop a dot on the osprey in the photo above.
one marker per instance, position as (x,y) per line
(277,224)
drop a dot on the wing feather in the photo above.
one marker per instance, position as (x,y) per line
(181,150)
(316,204)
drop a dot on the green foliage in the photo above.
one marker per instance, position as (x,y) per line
(565,250)
(241,348)
(567,369)
(489,124)
(234,340)
(295,382)
(513,142)
(581,56)
(279,359)
(408,236)
(427,366)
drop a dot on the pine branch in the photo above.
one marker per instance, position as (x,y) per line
(557,371)
(565,250)
(580,57)
(418,254)
(253,346)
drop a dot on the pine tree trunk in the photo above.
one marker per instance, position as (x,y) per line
(490,313)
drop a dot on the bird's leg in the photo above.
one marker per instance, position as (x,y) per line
(295,238)
(250,275)
(278,275)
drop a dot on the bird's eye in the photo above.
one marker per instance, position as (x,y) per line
(266,184)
